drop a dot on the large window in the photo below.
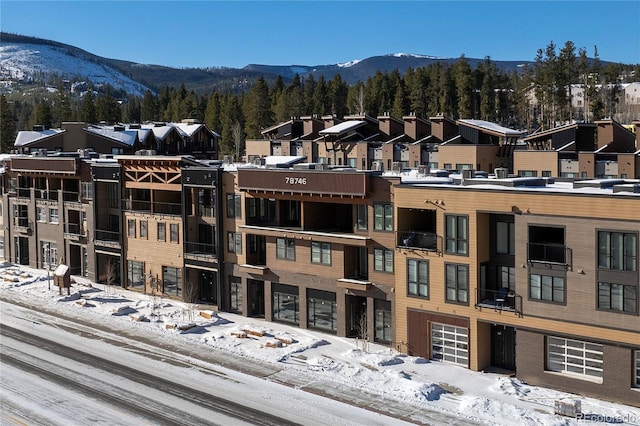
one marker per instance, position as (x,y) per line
(457,282)
(546,288)
(135,274)
(457,241)
(418,278)
(321,253)
(285,303)
(234,242)
(41,214)
(618,251)
(618,297)
(131,228)
(143,229)
(205,202)
(383,260)
(574,357)
(113,197)
(383,217)
(48,255)
(172,280)
(286,248)
(505,238)
(363,220)
(322,310)
(234,205)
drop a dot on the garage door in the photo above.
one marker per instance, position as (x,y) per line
(449,344)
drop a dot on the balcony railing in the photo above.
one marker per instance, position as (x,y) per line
(44,194)
(75,229)
(500,300)
(71,196)
(200,248)
(23,192)
(418,240)
(549,253)
(103,235)
(174,209)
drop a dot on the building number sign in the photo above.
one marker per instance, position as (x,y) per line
(289,180)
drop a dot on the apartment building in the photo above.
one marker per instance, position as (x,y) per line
(522,274)
(603,149)
(311,246)
(48,212)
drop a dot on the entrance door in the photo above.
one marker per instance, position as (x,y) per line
(503,347)
(21,245)
(207,286)
(255,295)
(356,316)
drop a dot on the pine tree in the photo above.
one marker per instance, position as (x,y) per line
(257,109)
(88,110)
(212,114)
(338,91)
(108,108)
(62,109)
(7,126)
(321,103)
(149,108)
(41,115)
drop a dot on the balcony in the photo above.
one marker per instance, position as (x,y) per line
(200,251)
(417,240)
(43,194)
(106,238)
(173,209)
(547,253)
(499,300)
(75,231)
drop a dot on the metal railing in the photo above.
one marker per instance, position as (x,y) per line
(104,235)
(200,248)
(549,253)
(500,300)
(428,241)
(75,229)
(174,209)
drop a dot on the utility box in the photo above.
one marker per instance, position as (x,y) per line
(62,278)
(568,407)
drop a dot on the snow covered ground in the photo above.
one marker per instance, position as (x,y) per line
(481,397)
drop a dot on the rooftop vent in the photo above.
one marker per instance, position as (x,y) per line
(38,128)
(501,173)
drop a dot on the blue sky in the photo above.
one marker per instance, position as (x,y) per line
(237,33)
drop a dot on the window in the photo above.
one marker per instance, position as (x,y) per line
(172,280)
(131,228)
(234,208)
(112,195)
(53,215)
(235,290)
(636,382)
(418,278)
(135,274)
(173,232)
(143,229)
(285,303)
(383,260)
(41,214)
(286,248)
(363,221)
(507,277)
(234,242)
(205,202)
(383,217)
(457,234)
(574,357)
(383,321)
(321,253)
(618,297)
(527,173)
(86,190)
(457,283)
(546,173)
(162,230)
(546,288)
(617,251)
(48,254)
(322,310)
(505,238)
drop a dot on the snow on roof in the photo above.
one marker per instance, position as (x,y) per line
(188,129)
(493,127)
(343,127)
(282,160)
(26,137)
(160,132)
(61,270)
(127,137)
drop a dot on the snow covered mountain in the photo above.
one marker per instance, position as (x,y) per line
(22,62)
(25,60)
